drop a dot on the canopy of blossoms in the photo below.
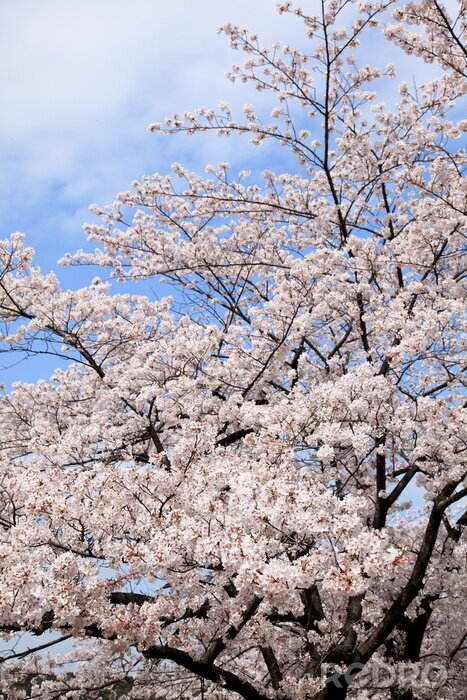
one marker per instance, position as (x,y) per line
(256,488)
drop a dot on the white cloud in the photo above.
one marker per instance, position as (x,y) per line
(81,80)
(69,68)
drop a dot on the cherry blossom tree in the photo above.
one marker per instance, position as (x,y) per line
(256,488)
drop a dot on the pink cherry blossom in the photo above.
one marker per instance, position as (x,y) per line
(256,487)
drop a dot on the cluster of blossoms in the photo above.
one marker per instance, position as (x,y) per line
(225,492)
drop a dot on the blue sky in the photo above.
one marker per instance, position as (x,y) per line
(80,82)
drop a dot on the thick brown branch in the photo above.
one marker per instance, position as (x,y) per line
(272,666)
(218,645)
(413,586)
(215,674)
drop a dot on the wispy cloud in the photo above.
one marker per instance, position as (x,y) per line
(80,81)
